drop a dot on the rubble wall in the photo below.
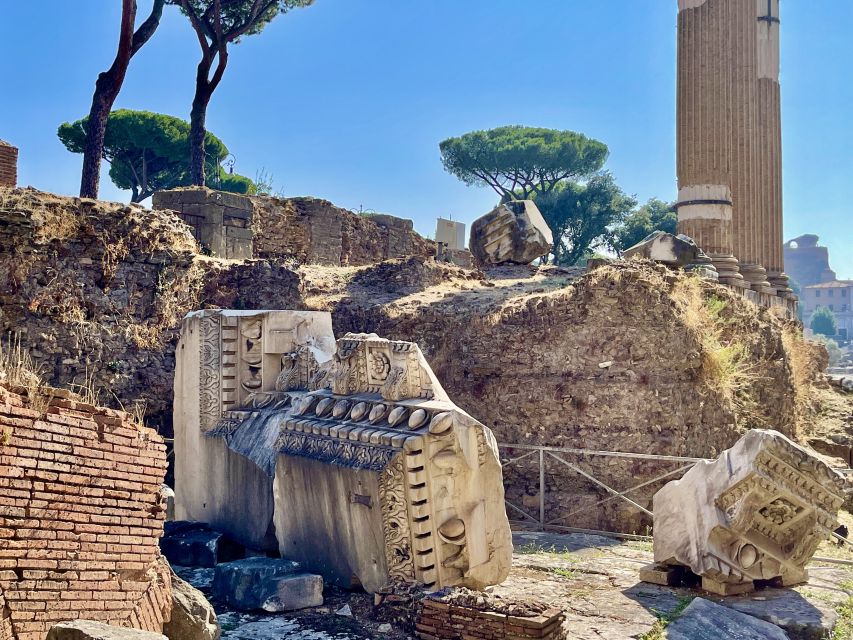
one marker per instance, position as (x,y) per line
(314,231)
(97,290)
(80,518)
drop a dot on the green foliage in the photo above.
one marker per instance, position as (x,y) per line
(581,215)
(518,162)
(149,152)
(653,216)
(235,183)
(237,17)
(658,631)
(823,322)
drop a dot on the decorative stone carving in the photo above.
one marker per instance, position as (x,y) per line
(758,512)
(513,232)
(382,479)
(230,364)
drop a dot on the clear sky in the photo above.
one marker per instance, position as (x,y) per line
(348,99)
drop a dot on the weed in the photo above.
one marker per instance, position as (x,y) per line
(563,572)
(844,626)
(726,366)
(658,631)
(19,370)
(5,436)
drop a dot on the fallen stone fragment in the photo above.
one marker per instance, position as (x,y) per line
(800,618)
(758,512)
(667,248)
(513,232)
(704,620)
(194,544)
(266,584)
(92,630)
(193,617)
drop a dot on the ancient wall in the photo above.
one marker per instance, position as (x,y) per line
(220,221)
(97,291)
(314,231)
(80,518)
(8,165)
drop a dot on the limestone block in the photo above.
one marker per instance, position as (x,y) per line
(513,232)
(382,479)
(758,512)
(193,617)
(92,630)
(267,584)
(705,620)
(230,360)
(193,544)
(667,248)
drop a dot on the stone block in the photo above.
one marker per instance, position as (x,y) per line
(193,617)
(667,248)
(513,232)
(207,211)
(758,512)
(382,479)
(227,361)
(267,584)
(193,544)
(212,237)
(705,620)
(92,630)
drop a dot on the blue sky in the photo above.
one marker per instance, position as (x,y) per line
(348,100)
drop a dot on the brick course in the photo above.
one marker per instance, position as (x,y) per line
(80,518)
(445,620)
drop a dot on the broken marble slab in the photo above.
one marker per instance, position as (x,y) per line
(705,620)
(93,630)
(266,584)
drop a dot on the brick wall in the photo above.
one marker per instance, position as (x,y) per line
(8,165)
(80,518)
(444,619)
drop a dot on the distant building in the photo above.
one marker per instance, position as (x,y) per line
(837,296)
(806,263)
(450,233)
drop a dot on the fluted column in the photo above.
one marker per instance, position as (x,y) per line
(704,136)
(770,143)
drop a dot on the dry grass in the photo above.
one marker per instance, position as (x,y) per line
(726,365)
(52,219)
(19,371)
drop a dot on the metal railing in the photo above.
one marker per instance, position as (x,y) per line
(558,454)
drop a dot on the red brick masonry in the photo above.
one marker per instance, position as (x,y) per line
(450,621)
(80,518)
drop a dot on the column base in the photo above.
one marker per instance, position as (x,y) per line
(727,268)
(756,275)
(780,281)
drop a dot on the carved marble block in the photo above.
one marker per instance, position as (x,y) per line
(229,364)
(758,512)
(381,478)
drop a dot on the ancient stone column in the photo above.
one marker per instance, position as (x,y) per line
(770,144)
(705,125)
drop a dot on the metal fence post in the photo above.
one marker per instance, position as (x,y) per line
(541,490)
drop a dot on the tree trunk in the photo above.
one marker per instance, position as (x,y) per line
(198,116)
(106,90)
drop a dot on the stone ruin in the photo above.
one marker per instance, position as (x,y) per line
(354,463)
(229,360)
(758,512)
(513,232)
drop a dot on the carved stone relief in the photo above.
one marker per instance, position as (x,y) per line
(758,512)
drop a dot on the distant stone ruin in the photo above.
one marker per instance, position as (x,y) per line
(220,221)
(758,512)
(8,165)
